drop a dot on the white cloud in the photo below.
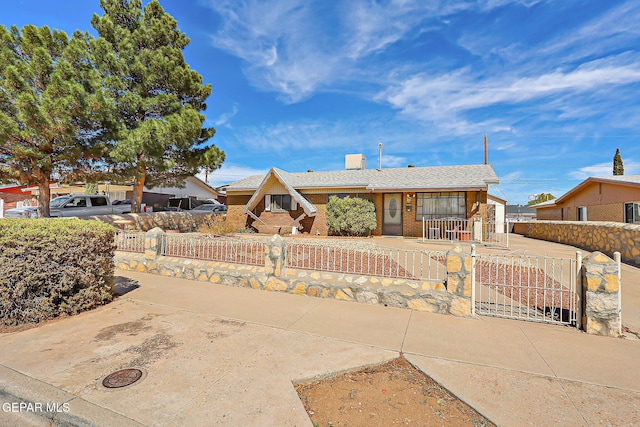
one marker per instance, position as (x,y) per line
(446,97)
(224,119)
(604,169)
(298,47)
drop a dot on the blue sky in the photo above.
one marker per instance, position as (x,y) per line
(297,84)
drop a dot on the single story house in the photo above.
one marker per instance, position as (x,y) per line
(156,197)
(193,187)
(496,212)
(519,213)
(281,201)
(13,196)
(601,198)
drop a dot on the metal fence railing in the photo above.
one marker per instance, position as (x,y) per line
(466,230)
(383,262)
(526,287)
(372,261)
(213,248)
(447,229)
(130,241)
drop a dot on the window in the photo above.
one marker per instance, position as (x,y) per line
(632,213)
(98,201)
(77,202)
(278,203)
(441,205)
(582,213)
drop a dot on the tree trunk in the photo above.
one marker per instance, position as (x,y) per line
(138,188)
(43,198)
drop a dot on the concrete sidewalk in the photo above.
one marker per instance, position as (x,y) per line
(218,355)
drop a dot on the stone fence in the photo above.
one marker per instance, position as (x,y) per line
(274,275)
(605,237)
(599,300)
(184,222)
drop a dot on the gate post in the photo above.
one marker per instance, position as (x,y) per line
(459,267)
(275,256)
(601,287)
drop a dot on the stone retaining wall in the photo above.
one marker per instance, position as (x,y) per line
(275,276)
(600,304)
(605,237)
(185,222)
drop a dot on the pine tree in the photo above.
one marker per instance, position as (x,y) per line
(50,106)
(618,167)
(158,98)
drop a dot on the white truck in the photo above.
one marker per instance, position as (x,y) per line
(77,205)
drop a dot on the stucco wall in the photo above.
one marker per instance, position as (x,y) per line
(605,237)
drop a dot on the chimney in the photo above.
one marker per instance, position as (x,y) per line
(355,162)
(380,156)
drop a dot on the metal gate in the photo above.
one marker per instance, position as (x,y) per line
(527,287)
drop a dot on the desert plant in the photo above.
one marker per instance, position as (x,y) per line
(351,216)
(52,268)
(217,224)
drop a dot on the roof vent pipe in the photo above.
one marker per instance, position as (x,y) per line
(380,156)
(411,165)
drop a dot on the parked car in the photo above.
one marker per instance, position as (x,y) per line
(24,212)
(85,205)
(177,204)
(210,207)
(75,205)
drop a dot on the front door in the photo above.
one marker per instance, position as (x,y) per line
(392,215)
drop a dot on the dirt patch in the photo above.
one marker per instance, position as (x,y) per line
(394,393)
(151,349)
(231,327)
(129,328)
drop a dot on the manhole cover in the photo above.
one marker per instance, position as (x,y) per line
(122,378)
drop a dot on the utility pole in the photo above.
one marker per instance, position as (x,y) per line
(486,150)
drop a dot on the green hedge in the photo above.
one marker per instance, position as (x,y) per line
(351,216)
(52,267)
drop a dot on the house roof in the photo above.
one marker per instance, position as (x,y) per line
(308,207)
(626,180)
(497,199)
(521,209)
(408,179)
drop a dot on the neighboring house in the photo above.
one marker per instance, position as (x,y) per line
(519,213)
(496,212)
(602,198)
(13,196)
(281,201)
(156,197)
(115,192)
(193,187)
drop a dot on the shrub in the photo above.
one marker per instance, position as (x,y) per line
(52,267)
(351,216)
(217,224)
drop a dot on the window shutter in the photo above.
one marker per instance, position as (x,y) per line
(267,203)
(294,204)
